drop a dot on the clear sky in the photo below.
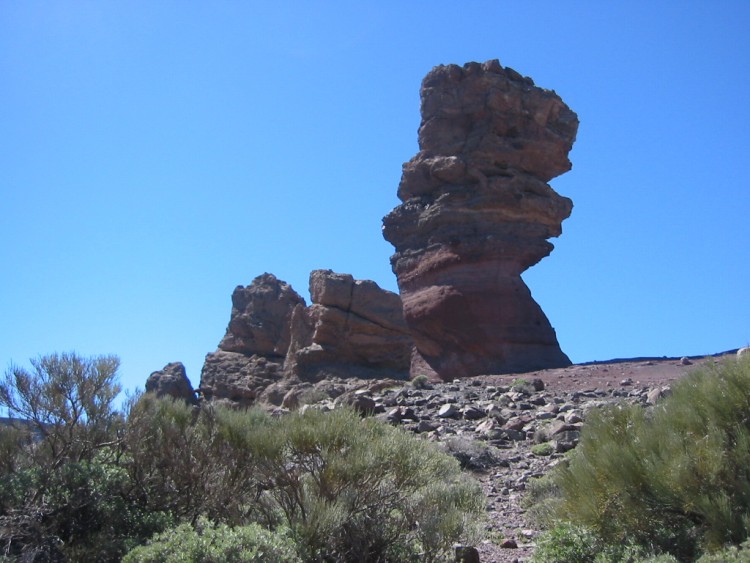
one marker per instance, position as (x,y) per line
(154,155)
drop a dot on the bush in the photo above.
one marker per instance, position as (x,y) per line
(67,400)
(675,478)
(544,449)
(731,554)
(83,482)
(348,489)
(60,494)
(360,490)
(567,543)
(215,543)
(421,381)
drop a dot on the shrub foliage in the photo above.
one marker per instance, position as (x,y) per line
(674,478)
(80,481)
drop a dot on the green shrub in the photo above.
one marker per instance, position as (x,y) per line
(215,543)
(544,449)
(85,512)
(192,462)
(568,543)
(67,400)
(730,554)
(421,381)
(62,492)
(675,479)
(360,490)
(348,489)
(83,482)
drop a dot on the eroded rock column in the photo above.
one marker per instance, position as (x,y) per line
(477,211)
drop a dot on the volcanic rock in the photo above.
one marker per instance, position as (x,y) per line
(260,319)
(172,381)
(251,355)
(238,379)
(275,344)
(476,213)
(352,329)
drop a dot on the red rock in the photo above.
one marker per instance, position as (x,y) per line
(273,342)
(353,329)
(476,213)
(172,381)
(261,313)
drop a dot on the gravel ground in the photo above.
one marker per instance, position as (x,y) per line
(504,482)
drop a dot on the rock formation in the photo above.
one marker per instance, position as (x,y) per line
(477,212)
(251,354)
(172,381)
(353,329)
(274,341)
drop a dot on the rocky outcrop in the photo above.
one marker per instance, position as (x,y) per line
(476,213)
(259,323)
(275,344)
(172,381)
(352,329)
(251,355)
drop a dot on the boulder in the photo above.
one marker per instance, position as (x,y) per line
(476,212)
(172,381)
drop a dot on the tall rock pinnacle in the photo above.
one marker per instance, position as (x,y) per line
(477,212)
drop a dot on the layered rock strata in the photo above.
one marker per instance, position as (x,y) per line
(275,342)
(352,329)
(477,211)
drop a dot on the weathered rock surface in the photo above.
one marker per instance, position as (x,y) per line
(251,354)
(275,343)
(172,381)
(476,213)
(260,319)
(352,329)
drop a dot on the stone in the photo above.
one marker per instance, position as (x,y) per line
(236,379)
(471,412)
(466,554)
(274,342)
(448,410)
(172,381)
(260,318)
(476,213)
(658,393)
(566,441)
(426,426)
(743,352)
(352,329)
(251,355)
(362,403)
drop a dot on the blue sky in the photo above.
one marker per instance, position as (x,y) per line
(154,155)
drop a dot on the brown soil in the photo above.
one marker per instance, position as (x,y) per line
(643,372)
